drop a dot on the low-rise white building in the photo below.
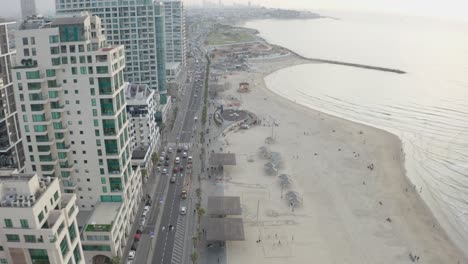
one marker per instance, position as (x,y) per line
(144,131)
(38,223)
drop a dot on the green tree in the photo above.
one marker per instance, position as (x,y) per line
(201,212)
(116,260)
(154,157)
(194,257)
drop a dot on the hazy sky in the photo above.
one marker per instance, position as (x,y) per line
(442,8)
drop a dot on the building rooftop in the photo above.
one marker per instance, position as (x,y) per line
(222,159)
(140,153)
(104,213)
(137,93)
(172,65)
(69,20)
(224,205)
(223,229)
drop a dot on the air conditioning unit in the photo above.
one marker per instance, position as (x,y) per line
(16,203)
(26,203)
(48,180)
(11,198)
(21,198)
(42,189)
(4,203)
(42,184)
(32,198)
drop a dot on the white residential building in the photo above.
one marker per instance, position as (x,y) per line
(174,23)
(139,26)
(28,8)
(144,131)
(37,222)
(71,102)
(11,145)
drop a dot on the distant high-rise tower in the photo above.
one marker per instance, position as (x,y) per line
(11,144)
(28,8)
(139,26)
(174,16)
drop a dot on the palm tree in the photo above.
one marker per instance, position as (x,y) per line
(194,257)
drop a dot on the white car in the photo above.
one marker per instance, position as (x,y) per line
(184,154)
(183,210)
(189,160)
(196,118)
(163,154)
(131,254)
(169,150)
(164,171)
(186,148)
(144,213)
(142,221)
(147,207)
(177,160)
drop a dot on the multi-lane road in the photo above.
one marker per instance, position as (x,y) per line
(158,243)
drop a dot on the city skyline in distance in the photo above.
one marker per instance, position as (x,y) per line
(454,9)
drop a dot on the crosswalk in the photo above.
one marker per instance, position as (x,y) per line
(174,145)
(179,239)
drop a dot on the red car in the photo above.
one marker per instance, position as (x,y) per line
(175,170)
(137,237)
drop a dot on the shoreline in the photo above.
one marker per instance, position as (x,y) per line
(311,113)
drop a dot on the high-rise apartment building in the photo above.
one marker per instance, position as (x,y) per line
(174,16)
(28,8)
(70,92)
(11,148)
(139,26)
(144,131)
(37,223)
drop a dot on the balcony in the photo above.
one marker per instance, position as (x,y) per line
(49,171)
(47,142)
(69,185)
(39,98)
(61,129)
(68,167)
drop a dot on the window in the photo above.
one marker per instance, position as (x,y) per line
(83,70)
(55,61)
(30,239)
(72,48)
(40,217)
(64,246)
(39,255)
(74,70)
(53,39)
(72,232)
(56,195)
(50,73)
(12,238)
(24,223)
(25,41)
(111,198)
(54,50)
(33,75)
(96,248)
(8,223)
(33,41)
(18,75)
(104,189)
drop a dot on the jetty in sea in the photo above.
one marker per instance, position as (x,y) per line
(377,68)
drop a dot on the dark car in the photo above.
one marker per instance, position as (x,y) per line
(181,169)
(167,157)
(166,163)
(175,170)
(179,149)
(134,245)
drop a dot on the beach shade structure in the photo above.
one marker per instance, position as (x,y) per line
(276,159)
(222,159)
(224,229)
(294,198)
(224,205)
(271,169)
(264,152)
(285,180)
(269,140)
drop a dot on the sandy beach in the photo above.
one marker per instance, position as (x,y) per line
(357,204)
